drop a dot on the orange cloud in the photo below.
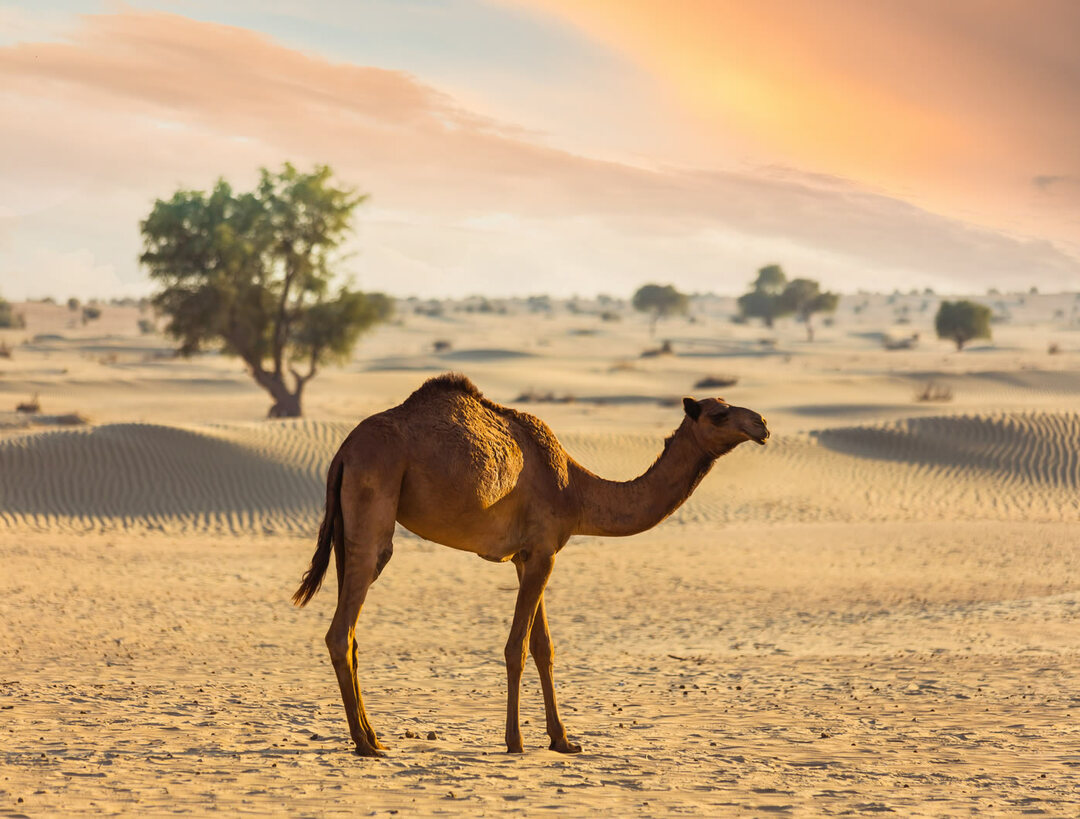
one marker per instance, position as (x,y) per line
(957,105)
(133,105)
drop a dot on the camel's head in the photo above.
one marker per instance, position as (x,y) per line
(720,426)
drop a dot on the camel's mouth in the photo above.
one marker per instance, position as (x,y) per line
(761,437)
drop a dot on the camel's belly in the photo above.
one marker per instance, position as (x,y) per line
(487,535)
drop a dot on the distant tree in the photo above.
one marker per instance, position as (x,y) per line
(250,274)
(659,301)
(90,313)
(73,304)
(804,297)
(765,301)
(961,321)
(9,319)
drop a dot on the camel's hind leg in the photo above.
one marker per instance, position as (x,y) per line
(366,546)
(544,657)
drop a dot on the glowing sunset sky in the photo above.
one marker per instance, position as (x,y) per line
(557,146)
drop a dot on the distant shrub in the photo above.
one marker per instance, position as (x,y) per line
(73,304)
(934,391)
(539,304)
(433,309)
(90,313)
(146,326)
(534,397)
(663,349)
(908,343)
(32,406)
(441,345)
(715,382)
(9,319)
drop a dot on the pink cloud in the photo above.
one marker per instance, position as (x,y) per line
(135,104)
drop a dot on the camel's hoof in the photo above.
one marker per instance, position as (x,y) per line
(367,749)
(565,746)
(515,749)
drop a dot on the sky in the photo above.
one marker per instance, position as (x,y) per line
(512,147)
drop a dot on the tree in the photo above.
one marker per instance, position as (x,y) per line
(660,302)
(765,301)
(9,318)
(804,297)
(250,274)
(961,321)
(73,304)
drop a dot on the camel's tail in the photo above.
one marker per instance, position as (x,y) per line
(313,577)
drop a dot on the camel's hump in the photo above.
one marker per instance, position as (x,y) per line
(455,383)
(447,382)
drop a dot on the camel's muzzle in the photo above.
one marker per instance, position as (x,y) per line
(761,437)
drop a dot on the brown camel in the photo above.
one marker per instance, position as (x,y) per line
(460,470)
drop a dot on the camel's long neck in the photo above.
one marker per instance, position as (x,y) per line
(613,508)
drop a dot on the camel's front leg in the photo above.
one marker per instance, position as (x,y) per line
(544,657)
(534,571)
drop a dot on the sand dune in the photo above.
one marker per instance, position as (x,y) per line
(1041,448)
(135,476)
(269,476)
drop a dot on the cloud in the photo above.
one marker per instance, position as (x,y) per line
(954,105)
(133,105)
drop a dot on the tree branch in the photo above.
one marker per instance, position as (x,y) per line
(301,380)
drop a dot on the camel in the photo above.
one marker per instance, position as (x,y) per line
(460,470)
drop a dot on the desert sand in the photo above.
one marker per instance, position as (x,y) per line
(876,612)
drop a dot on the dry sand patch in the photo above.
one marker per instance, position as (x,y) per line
(875,612)
(814,668)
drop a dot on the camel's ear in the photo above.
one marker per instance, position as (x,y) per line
(692,407)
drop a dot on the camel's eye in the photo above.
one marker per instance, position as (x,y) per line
(720,415)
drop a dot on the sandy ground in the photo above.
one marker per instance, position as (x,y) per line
(876,612)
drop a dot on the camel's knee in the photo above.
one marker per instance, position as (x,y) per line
(515,657)
(542,652)
(339,643)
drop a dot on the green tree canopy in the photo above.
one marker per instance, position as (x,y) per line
(765,300)
(659,301)
(250,274)
(804,297)
(961,321)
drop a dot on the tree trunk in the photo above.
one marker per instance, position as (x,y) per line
(288,406)
(809,329)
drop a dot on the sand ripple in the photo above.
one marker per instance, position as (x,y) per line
(269,477)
